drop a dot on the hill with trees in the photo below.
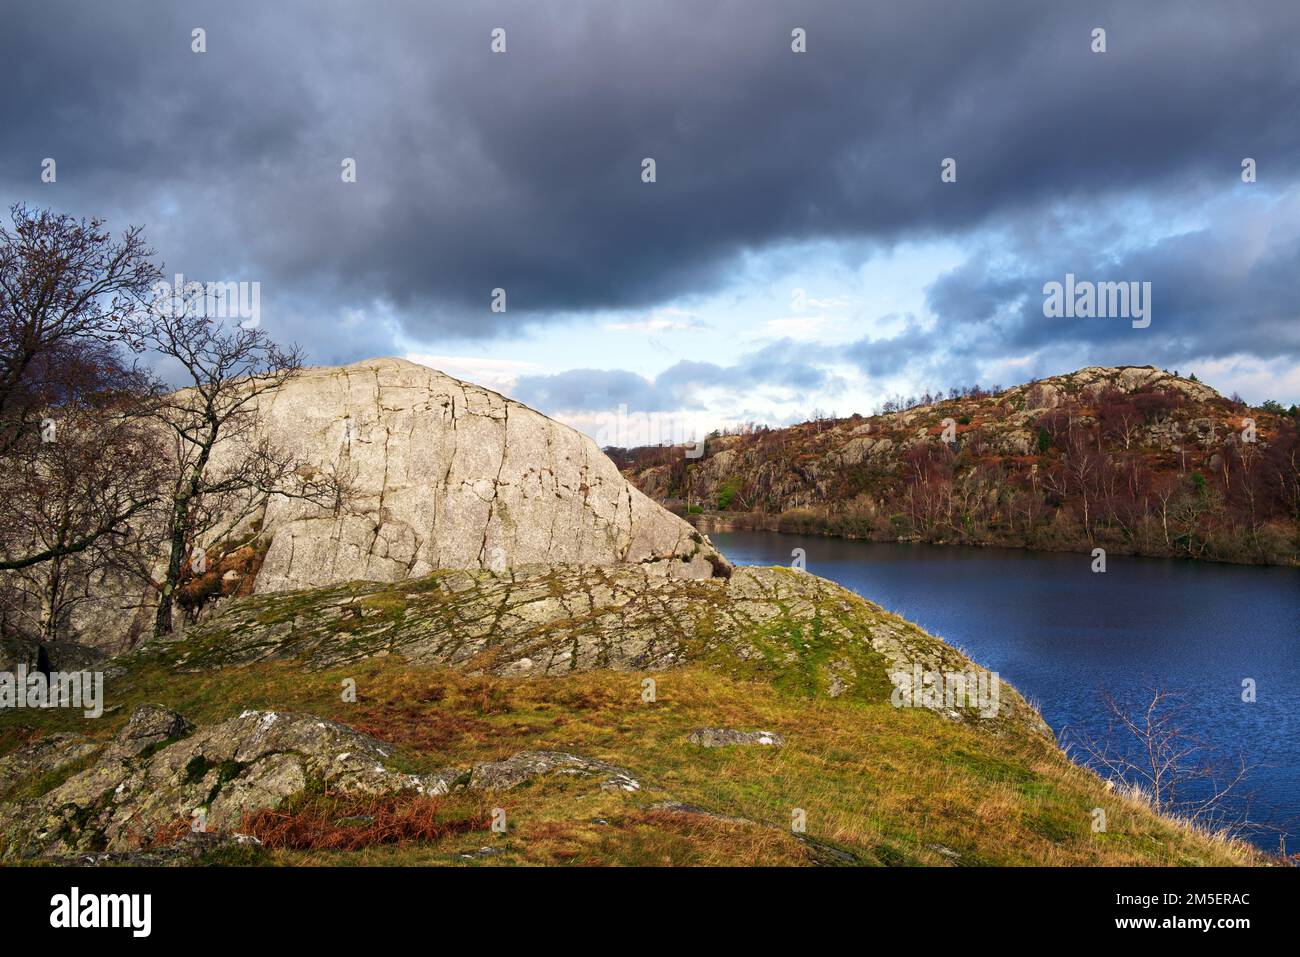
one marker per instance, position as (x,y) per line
(1134,459)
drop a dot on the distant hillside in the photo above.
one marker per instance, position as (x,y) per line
(1134,459)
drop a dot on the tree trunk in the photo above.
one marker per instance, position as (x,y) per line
(162,624)
(50,602)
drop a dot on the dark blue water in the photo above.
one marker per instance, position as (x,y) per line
(1062,635)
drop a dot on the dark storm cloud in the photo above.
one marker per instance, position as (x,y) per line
(1226,289)
(879,357)
(522,170)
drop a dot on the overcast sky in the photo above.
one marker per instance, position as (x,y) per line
(798,249)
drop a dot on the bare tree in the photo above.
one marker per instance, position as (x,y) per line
(1195,513)
(84,502)
(1121,417)
(228,371)
(1147,752)
(70,295)
(1082,464)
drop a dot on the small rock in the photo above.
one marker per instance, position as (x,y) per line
(527,765)
(241,765)
(523,666)
(722,737)
(150,724)
(621,782)
(443,781)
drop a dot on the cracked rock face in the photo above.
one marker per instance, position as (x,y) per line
(553,620)
(442,474)
(47,755)
(450,475)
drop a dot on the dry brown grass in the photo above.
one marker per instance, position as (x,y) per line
(419,728)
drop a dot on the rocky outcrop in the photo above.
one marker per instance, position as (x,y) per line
(445,474)
(89,799)
(47,755)
(819,638)
(143,784)
(160,779)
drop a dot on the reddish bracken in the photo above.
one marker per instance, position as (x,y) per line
(330,822)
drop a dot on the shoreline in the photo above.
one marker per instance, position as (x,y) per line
(806,524)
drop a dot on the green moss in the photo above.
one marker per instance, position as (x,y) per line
(233,855)
(196,769)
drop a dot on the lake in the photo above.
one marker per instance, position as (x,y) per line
(1062,634)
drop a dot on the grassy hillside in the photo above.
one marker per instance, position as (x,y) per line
(463,678)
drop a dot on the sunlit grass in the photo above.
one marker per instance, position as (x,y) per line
(890,786)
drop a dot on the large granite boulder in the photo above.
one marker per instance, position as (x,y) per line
(450,475)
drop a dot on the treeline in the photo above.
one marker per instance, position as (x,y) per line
(1093,483)
(901,403)
(112,483)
